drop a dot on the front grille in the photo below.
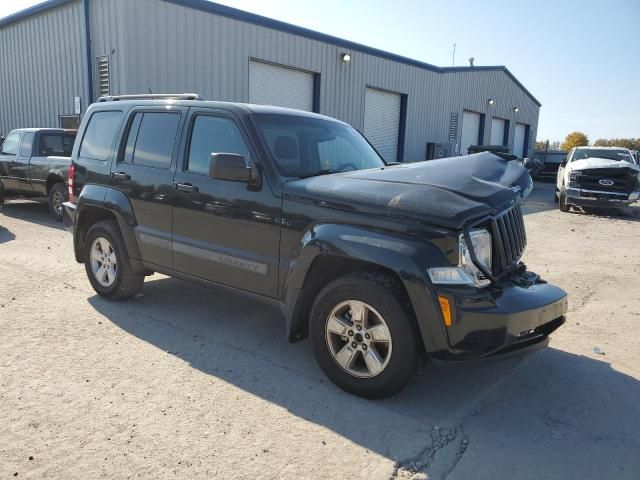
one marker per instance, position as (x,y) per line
(623,182)
(509,239)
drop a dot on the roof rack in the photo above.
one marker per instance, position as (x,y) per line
(152,96)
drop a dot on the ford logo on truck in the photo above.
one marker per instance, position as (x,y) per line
(605,182)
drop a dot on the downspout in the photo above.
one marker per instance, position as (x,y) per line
(87,44)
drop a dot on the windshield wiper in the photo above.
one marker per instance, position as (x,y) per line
(326,171)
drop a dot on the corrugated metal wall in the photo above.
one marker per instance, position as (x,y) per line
(42,67)
(472,91)
(158,46)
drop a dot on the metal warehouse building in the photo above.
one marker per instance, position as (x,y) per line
(59,56)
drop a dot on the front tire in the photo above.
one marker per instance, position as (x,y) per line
(107,263)
(564,207)
(57,196)
(364,334)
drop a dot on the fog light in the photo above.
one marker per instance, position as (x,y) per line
(446,310)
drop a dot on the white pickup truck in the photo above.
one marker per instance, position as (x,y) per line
(597,177)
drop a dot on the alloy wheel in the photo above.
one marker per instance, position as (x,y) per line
(358,338)
(104,263)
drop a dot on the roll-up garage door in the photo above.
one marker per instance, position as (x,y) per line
(281,86)
(518,140)
(497,131)
(382,121)
(470,131)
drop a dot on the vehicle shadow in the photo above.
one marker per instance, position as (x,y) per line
(6,235)
(34,211)
(242,342)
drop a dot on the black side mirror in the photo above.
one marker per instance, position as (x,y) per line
(563,163)
(230,167)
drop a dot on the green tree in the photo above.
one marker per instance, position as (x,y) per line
(575,139)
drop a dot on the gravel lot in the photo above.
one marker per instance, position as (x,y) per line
(185,382)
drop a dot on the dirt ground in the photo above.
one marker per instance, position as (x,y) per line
(185,382)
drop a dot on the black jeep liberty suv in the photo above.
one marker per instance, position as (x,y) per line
(380,264)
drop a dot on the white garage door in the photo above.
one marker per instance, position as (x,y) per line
(497,131)
(284,87)
(382,122)
(470,131)
(518,140)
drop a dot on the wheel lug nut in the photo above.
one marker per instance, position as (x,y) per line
(364,346)
(367,336)
(351,333)
(354,344)
(359,327)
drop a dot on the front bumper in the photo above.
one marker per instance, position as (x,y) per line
(596,198)
(514,314)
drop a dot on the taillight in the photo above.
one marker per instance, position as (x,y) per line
(72,173)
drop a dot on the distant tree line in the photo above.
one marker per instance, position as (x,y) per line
(579,139)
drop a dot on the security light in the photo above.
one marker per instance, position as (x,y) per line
(515,109)
(490,101)
(345,57)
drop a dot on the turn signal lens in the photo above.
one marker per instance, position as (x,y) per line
(446,310)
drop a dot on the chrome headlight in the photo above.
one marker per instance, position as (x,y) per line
(467,273)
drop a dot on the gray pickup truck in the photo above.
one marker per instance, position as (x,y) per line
(35,162)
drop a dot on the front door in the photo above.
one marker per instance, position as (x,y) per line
(144,172)
(226,232)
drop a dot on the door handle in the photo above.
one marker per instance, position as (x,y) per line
(121,175)
(186,187)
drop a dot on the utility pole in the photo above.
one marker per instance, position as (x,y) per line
(453,59)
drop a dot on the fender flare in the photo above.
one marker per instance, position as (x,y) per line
(116,203)
(404,256)
(55,173)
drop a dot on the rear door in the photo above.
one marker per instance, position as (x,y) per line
(144,170)
(225,232)
(9,154)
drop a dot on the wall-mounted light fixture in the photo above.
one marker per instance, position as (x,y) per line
(490,101)
(515,109)
(345,57)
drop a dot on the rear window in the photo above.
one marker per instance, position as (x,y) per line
(99,135)
(55,144)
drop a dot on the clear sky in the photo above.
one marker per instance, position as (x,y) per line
(580,58)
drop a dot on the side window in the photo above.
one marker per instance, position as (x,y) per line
(99,135)
(50,144)
(213,135)
(27,143)
(151,138)
(11,144)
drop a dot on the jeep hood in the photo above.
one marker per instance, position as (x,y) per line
(593,163)
(447,192)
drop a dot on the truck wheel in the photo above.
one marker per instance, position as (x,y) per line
(564,207)
(107,263)
(364,335)
(57,196)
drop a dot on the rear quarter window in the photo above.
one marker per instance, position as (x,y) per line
(99,136)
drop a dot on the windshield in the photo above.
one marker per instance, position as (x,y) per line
(623,155)
(304,147)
